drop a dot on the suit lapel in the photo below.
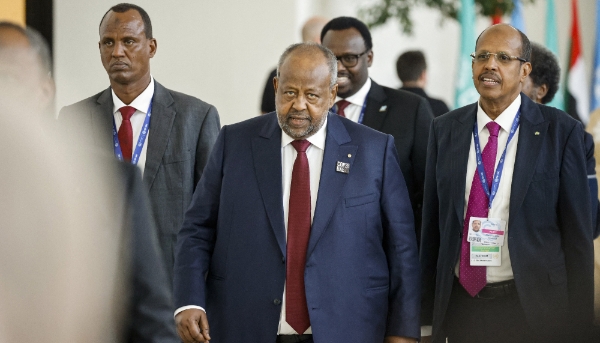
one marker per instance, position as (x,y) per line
(161,122)
(532,130)
(460,138)
(102,120)
(332,182)
(266,152)
(375,111)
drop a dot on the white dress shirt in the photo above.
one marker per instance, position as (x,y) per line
(501,204)
(141,105)
(356,101)
(314,154)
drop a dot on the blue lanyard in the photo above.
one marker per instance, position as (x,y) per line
(141,140)
(362,111)
(498,173)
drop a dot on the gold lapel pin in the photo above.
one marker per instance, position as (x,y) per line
(349,155)
(537,133)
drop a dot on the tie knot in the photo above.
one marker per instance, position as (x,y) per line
(301,145)
(493,128)
(127,112)
(341,105)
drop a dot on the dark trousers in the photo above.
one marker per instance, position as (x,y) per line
(497,320)
(294,339)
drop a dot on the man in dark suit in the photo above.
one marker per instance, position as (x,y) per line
(401,114)
(180,129)
(411,68)
(301,224)
(538,285)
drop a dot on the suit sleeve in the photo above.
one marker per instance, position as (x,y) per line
(196,239)
(574,213)
(152,317)
(419,156)
(592,180)
(401,249)
(430,235)
(208,134)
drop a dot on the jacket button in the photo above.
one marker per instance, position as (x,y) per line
(277,302)
(283,260)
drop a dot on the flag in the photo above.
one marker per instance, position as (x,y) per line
(465,90)
(577,92)
(516,18)
(595,103)
(552,45)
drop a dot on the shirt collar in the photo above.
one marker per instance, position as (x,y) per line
(359,97)
(505,119)
(318,139)
(141,103)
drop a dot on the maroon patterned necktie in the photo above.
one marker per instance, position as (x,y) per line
(473,278)
(126,132)
(341,106)
(298,233)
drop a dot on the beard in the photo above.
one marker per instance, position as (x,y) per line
(314,124)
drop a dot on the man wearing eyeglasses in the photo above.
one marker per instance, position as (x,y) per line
(401,114)
(510,159)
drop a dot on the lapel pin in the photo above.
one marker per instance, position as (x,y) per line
(342,167)
(349,155)
(383,108)
(537,133)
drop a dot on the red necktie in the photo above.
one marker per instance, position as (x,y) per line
(298,233)
(126,132)
(341,105)
(473,278)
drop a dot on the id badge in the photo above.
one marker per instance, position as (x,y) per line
(487,231)
(486,255)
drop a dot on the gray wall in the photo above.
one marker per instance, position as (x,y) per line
(222,51)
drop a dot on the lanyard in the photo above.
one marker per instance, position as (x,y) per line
(498,173)
(362,111)
(141,140)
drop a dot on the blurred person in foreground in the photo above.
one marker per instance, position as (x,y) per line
(167,134)
(311,32)
(301,228)
(533,282)
(405,116)
(411,68)
(78,248)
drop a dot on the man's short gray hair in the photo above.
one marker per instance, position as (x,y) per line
(312,47)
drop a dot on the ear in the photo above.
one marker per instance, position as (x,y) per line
(333,93)
(525,70)
(276,83)
(369,58)
(153,46)
(541,92)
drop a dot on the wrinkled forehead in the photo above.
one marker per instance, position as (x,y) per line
(304,67)
(500,38)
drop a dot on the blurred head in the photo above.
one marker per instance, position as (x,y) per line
(542,83)
(311,31)
(411,67)
(126,44)
(305,88)
(350,41)
(25,69)
(500,65)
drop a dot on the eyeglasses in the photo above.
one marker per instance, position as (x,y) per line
(501,57)
(350,60)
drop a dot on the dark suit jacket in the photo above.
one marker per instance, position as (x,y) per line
(438,107)
(362,274)
(407,117)
(549,232)
(183,130)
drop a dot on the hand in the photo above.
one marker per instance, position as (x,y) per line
(192,326)
(425,339)
(398,339)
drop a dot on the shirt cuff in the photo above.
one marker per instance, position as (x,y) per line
(425,330)
(183,308)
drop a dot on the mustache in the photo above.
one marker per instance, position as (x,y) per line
(490,75)
(292,113)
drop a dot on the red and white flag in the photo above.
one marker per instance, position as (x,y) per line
(577,96)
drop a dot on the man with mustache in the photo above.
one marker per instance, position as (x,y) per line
(404,115)
(167,134)
(301,229)
(509,158)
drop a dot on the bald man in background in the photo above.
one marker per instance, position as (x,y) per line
(311,32)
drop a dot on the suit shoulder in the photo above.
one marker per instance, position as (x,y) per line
(562,118)
(82,104)
(185,100)
(402,96)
